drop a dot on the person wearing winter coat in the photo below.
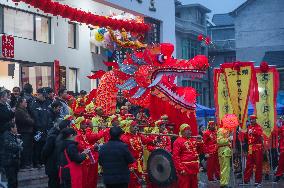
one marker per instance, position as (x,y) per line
(70,160)
(12,148)
(114,157)
(62,95)
(6,115)
(49,155)
(25,125)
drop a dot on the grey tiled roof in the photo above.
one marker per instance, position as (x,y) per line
(222,19)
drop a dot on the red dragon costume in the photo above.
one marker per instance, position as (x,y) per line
(148,79)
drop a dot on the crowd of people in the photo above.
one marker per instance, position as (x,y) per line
(75,142)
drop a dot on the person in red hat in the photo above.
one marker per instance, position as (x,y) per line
(185,156)
(135,143)
(280,168)
(211,151)
(255,152)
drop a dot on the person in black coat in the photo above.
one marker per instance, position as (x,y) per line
(6,115)
(25,125)
(114,157)
(27,94)
(15,96)
(68,146)
(11,154)
(49,153)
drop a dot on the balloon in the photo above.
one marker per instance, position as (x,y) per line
(98,37)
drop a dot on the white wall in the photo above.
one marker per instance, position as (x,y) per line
(165,12)
(82,58)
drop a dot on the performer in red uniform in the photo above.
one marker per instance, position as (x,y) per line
(280,168)
(211,151)
(163,142)
(135,145)
(89,166)
(255,152)
(185,157)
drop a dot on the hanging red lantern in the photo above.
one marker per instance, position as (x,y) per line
(200,37)
(264,67)
(207,40)
(237,67)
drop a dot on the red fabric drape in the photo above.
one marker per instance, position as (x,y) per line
(158,107)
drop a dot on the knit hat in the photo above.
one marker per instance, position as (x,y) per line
(184,127)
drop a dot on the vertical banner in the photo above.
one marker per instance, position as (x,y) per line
(238,79)
(222,100)
(56,76)
(266,107)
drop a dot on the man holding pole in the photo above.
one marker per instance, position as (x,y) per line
(255,152)
(211,151)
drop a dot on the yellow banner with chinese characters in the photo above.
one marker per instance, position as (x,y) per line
(265,108)
(238,83)
(224,105)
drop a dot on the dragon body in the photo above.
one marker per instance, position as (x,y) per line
(148,78)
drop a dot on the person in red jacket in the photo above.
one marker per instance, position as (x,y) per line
(135,143)
(255,152)
(185,156)
(280,168)
(211,151)
(89,166)
(163,142)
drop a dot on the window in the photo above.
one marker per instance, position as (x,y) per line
(73,80)
(178,14)
(198,87)
(26,25)
(42,28)
(199,17)
(18,23)
(95,82)
(72,35)
(191,48)
(229,59)
(153,35)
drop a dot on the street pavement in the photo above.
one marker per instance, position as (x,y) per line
(203,183)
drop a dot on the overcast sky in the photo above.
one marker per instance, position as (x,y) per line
(217,6)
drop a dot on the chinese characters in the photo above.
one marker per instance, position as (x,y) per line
(7,46)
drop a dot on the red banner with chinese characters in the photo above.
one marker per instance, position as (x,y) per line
(239,76)
(268,82)
(7,47)
(56,76)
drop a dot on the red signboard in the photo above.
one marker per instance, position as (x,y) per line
(7,46)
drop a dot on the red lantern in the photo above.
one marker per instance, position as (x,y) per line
(264,67)
(207,40)
(237,67)
(200,38)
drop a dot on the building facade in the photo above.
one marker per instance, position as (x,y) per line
(41,38)
(191,21)
(222,33)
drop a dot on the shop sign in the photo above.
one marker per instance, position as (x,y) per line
(7,47)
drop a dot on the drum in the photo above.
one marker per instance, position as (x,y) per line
(160,168)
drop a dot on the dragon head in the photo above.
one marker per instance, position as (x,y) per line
(153,71)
